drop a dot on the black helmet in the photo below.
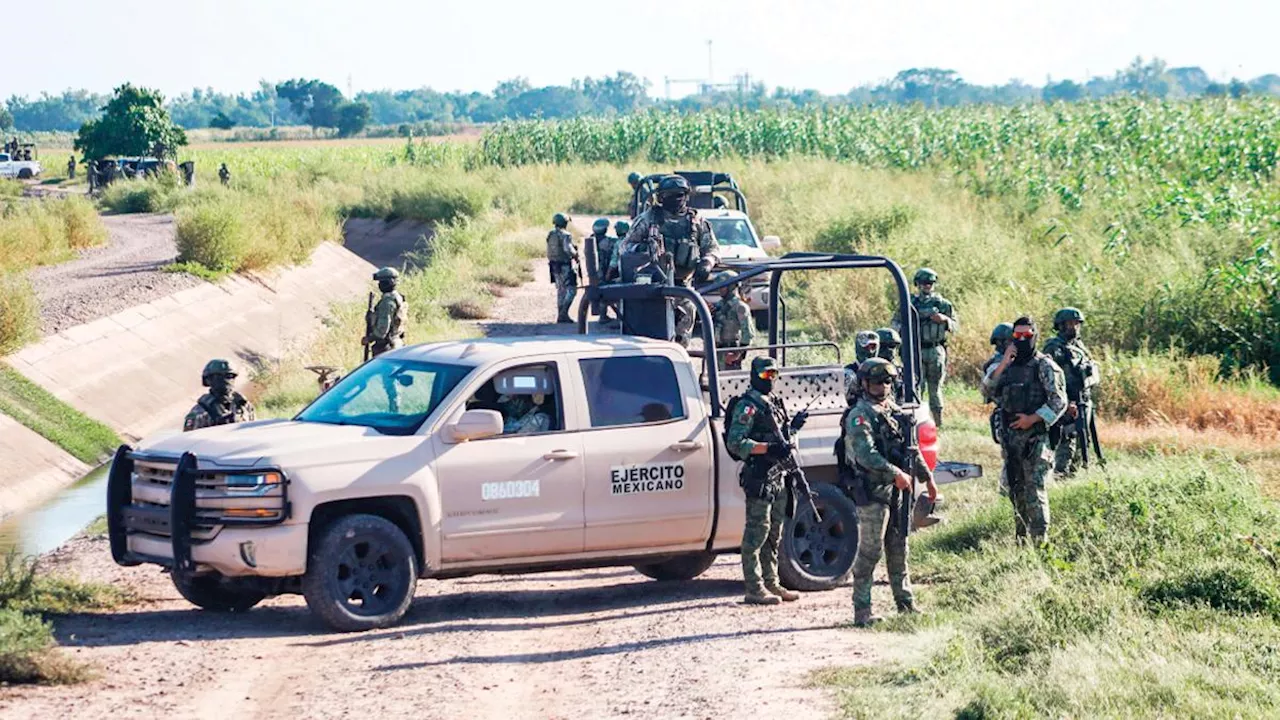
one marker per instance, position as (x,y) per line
(889,338)
(601,225)
(673,184)
(217,368)
(1065,315)
(386,273)
(560,220)
(621,228)
(633,178)
(877,370)
(1001,333)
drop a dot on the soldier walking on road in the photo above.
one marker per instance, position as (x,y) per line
(732,320)
(937,319)
(753,435)
(1081,374)
(562,256)
(1031,393)
(872,438)
(389,314)
(685,240)
(224,175)
(222,405)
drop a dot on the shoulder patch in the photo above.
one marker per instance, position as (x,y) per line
(748,409)
(859,420)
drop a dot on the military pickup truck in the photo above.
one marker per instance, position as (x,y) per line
(418,465)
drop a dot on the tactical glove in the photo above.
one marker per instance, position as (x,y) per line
(799,420)
(779,450)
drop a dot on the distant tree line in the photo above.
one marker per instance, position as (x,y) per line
(321,105)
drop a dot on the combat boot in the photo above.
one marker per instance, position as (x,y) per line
(908,608)
(785,594)
(758,596)
(863,617)
(563,318)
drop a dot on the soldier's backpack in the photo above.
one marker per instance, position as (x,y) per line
(729,410)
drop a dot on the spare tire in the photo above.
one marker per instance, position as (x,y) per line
(818,555)
(681,567)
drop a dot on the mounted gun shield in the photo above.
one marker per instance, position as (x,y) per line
(595,274)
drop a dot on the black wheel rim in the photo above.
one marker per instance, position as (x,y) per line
(370,576)
(822,548)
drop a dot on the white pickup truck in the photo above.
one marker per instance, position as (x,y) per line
(20,169)
(406,469)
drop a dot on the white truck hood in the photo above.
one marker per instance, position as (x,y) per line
(270,442)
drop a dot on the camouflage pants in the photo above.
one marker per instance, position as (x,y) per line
(760,540)
(877,537)
(566,288)
(1068,456)
(685,316)
(1028,467)
(934,362)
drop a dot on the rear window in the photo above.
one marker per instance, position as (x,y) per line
(732,231)
(631,390)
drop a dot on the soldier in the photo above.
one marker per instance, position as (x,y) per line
(389,314)
(936,320)
(562,255)
(224,175)
(685,238)
(731,318)
(91,168)
(866,346)
(1001,336)
(222,405)
(634,181)
(1030,391)
(754,434)
(604,257)
(873,435)
(71,167)
(890,341)
(1081,374)
(523,414)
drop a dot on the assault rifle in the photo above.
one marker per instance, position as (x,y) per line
(1087,432)
(903,500)
(789,467)
(368,330)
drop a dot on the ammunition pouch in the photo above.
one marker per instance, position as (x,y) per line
(757,480)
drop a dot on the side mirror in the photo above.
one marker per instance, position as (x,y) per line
(771,242)
(476,425)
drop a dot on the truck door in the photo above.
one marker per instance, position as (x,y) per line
(518,494)
(648,445)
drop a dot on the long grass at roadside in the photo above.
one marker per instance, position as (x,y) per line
(31,405)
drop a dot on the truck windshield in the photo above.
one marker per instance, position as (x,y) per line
(391,396)
(732,231)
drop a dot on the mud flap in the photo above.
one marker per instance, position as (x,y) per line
(953,472)
(119,495)
(182,510)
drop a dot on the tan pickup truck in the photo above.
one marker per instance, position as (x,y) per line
(467,457)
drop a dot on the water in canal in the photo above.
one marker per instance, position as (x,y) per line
(45,527)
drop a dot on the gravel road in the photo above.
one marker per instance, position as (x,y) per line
(105,280)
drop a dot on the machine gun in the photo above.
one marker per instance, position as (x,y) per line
(789,468)
(368,330)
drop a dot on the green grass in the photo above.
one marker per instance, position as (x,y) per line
(27,647)
(31,405)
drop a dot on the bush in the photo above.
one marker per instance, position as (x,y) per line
(19,313)
(41,232)
(236,231)
(1229,587)
(153,195)
(423,196)
(856,232)
(212,233)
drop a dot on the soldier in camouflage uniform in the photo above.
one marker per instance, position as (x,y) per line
(1081,374)
(752,436)
(633,180)
(222,405)
(389,314)
(523,414)
(684,238)
(890,341)
(937,319)
(732,320)
(1001,336)
(866,345)
(604,257)
(562,255)
(224,175)
(1032,396)
(872,436)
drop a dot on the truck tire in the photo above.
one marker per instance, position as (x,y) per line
(683,567)
(361,573)
(213,592)
(24,174)
(819,555)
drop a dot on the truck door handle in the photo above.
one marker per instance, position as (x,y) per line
(686,446)
(560,455)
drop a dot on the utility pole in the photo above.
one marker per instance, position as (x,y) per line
(711,78)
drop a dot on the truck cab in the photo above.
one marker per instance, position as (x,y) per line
(474,456)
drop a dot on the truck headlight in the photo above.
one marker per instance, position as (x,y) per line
(251,482)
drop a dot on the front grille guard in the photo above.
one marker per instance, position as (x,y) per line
(124,518)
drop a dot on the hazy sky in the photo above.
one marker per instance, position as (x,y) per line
(229,45)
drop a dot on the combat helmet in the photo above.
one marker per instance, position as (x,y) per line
(386,273)
(217,368)
(889,338)
(925,275)
(560,220)
(877,370)
(621,228)
(633,178)
(601,226)
(1066,315)
(673,184)
(1002,333)
(868,339)
(725,275)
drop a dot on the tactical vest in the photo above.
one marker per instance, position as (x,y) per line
(755,469)
(604,254)
(1074,369)
(888,440)
(556,252)
(932,334)
(725,319)
(1021,392)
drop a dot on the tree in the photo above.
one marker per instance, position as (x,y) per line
(1237,88)
(1065,91)
(133,122)
(930,86)
(6,118)
(315,102)
(221,121)
(1145,78)
(622,93)
(352,118)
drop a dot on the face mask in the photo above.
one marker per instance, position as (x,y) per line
(673,203)
(1026,349)
(386,285)
(1070,332)
(761,385)
(220,387)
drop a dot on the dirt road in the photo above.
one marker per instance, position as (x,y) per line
(121,274)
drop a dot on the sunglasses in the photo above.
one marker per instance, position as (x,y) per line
(1023,335)
(770,374)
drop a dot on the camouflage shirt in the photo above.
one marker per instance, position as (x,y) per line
(520,416)
(208,411)
(870,431)
(560,247)
(932,333)
(749,425)
(1077,365)
(1014,396)
(732,319)
(685,236)
(604,255)
(389,319)
(991,362)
